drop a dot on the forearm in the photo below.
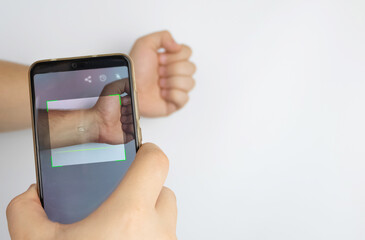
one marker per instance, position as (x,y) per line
(14,97)
(68,128)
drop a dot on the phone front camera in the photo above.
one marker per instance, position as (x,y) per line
(74,65)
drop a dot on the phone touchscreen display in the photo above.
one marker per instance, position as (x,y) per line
(85,137)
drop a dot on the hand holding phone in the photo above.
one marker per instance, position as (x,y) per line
(86,131)
(139,208)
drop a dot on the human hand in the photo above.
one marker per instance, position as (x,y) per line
(163,79)
(139,208)
(113,114)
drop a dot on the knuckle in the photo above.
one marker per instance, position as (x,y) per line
(186,99)
(158,158)
(188,50)
(193,83)
(165,32)
(193,66)
(182,100)
(9,209)
(169,193)
(13,205)
(140,41)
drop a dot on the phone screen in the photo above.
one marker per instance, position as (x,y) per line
(85,137)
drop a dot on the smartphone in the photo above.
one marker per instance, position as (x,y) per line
(85,129)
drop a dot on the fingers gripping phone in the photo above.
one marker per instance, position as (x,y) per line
(85,129)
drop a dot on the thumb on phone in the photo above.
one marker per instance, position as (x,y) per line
(142,184)
(140,206)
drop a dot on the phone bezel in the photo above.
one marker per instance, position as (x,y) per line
(83,63)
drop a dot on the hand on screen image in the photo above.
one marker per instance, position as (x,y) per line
(139,208)
(109,121)
(114,115)
(114,127)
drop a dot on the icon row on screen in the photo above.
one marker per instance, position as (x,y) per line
(102,78)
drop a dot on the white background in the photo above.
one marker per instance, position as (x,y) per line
(272,142)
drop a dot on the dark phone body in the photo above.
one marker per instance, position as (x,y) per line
(83,177)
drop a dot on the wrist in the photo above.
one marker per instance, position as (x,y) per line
(88,126)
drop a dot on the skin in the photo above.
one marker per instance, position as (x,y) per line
(163,81)
(107,122)
(14,79)
(139,208)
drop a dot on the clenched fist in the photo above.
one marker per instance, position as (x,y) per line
(163,79)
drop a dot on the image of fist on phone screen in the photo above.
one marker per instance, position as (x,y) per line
(113,114)
(109,121)
(163,79)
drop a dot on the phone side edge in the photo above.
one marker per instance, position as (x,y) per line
(135,100)
(35,148)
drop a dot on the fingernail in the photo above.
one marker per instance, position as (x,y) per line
(162,71)
(163,93)
(124,118)
(163,82)
(125,100)
(163,58)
